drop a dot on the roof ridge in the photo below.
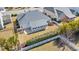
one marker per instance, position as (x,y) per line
(22,16)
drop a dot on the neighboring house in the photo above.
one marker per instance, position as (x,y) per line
(66,11)
(41,9)
(74,10)
(5,18)
(18,10)
(32,21)
(1,22)
(2,9)
(58,12)
(50,12)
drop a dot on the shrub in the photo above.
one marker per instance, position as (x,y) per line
(30,42)
(14,15)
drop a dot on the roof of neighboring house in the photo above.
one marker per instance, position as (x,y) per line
(66,11)
(2,9)
(34,18)
(49,8)
(75,9)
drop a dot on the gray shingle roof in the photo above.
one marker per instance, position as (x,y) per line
(33,17)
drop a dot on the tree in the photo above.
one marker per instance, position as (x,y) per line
(9,44)
(2,43)
(69,28)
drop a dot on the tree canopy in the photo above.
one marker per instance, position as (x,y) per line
(70,26)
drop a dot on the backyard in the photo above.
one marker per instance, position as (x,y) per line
(23,38)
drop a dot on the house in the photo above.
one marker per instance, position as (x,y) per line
(18,10)
(50,12)
(32,21)
(66,11)
(41,9)
(58,12)
(74,10)
(2,9)
(5,18)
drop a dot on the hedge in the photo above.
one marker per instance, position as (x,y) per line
(30,42)
(14,15)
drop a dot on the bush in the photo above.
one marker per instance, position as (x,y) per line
(30,42)
(14,15)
